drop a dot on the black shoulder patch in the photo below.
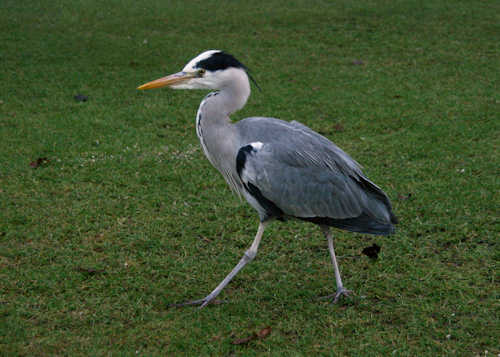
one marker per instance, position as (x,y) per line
(272,211)
(241,158)
(219,61)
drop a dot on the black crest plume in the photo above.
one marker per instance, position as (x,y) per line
(220,61)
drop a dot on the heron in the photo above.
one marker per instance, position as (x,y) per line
(284,170)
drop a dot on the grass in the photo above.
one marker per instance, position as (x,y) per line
(123,215)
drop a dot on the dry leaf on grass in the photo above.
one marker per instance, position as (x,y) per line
(372,251)
(39,162)
(266,331)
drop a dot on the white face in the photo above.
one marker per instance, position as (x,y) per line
(194,77)
(205,81)
(203,56)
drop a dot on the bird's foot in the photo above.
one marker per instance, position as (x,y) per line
(340,292)
(200,302)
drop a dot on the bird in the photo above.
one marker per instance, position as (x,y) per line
(284,170)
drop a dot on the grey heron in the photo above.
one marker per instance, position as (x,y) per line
(283,169)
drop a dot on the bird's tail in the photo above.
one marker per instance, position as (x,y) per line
(361,224)
(377,216)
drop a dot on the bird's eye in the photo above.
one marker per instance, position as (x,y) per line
(201,72)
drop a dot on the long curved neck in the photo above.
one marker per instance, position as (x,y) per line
(218,136)
(216,107)
(234,92)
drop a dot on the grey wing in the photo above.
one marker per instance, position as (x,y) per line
(308,146)
(335,153)
(298,189)
(313,183)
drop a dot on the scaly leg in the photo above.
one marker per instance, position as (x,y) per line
(341,291)
(247,257)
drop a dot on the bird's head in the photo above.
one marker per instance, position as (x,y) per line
(212,69)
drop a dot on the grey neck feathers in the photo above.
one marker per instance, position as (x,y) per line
(212,120)
(218,137)
(233,94)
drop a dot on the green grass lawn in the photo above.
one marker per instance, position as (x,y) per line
(109,210)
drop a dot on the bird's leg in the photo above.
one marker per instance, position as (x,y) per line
(247,257)
(341,291)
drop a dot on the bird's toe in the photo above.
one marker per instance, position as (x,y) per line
(337,295)
(200,302)
(341,292)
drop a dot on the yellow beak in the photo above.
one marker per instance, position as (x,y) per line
(173,79)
